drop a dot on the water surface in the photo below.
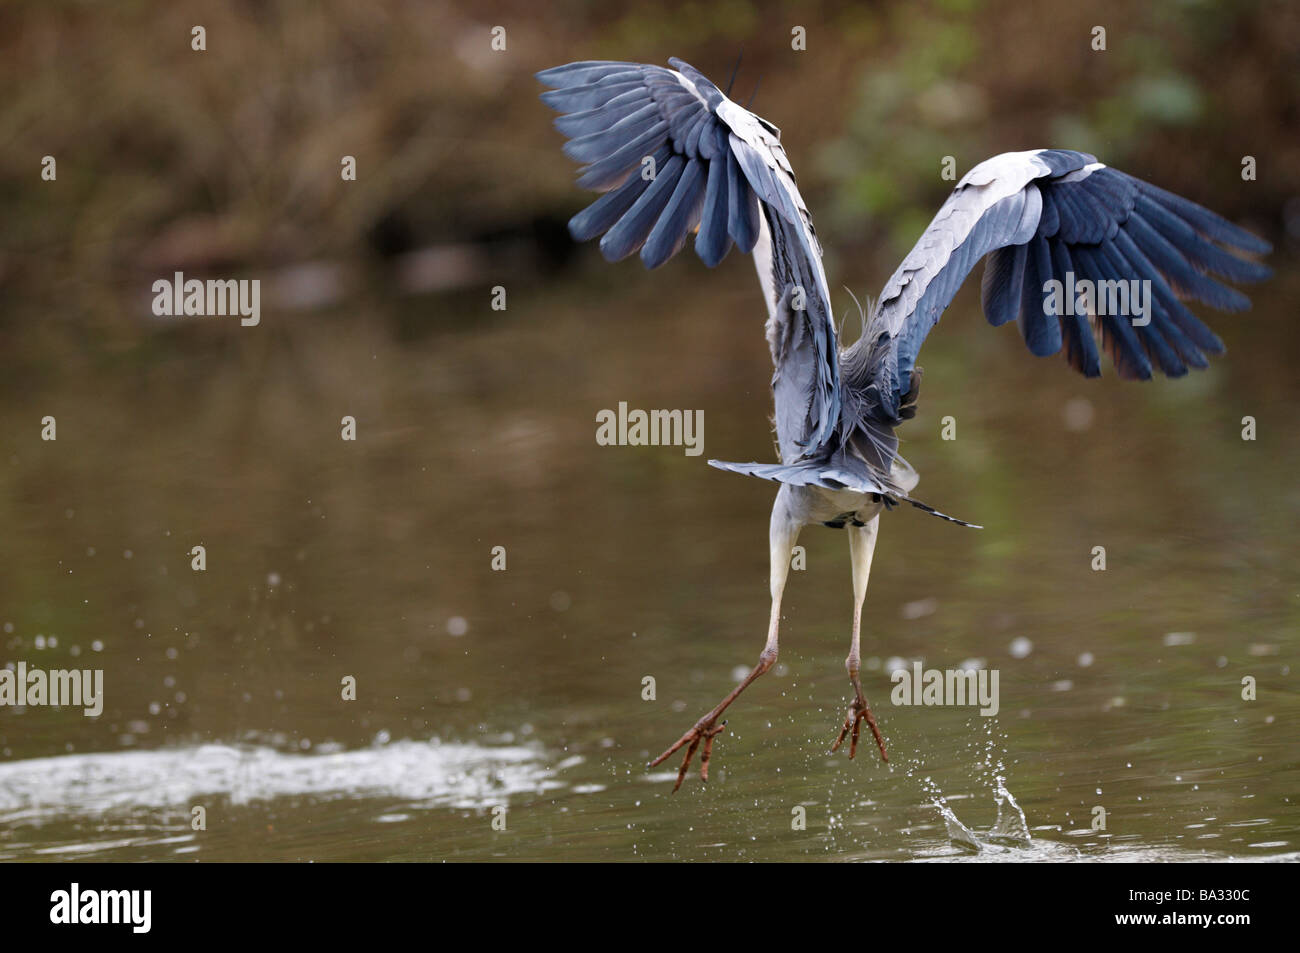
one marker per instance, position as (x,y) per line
(522,689)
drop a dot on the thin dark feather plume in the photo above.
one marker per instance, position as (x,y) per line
(735,69)
(862,314)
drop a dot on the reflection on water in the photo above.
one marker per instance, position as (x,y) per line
(117,790)
(1120,690)
(458,775)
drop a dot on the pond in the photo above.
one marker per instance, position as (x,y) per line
(433,642)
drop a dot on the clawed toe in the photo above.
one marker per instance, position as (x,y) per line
(859,711)
(703,731)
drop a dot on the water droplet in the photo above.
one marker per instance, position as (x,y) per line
(1078,414)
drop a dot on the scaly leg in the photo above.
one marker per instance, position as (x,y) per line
(862,544)
(782,534)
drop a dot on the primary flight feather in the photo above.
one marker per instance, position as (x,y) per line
(1074,252)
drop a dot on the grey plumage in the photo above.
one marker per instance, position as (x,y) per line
(1041,219)
(721,173)
(718,172)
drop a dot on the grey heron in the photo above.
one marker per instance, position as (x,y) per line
(719,172)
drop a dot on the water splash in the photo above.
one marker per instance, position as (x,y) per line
(1010,827)
(958,833)
(426,774)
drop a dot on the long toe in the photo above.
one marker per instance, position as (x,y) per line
(844,733)
(708,750)
(703,731)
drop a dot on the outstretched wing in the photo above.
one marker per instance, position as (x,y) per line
(674,156)
(1058,216)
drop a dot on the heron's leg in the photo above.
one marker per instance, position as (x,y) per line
(783,531)
(862,545)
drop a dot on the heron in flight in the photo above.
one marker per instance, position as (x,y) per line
(675,157)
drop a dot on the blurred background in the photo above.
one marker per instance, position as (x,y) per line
(522,688)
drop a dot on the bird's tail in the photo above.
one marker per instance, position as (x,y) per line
(832,477)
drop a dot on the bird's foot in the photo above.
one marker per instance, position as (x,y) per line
(859,711)
(705,730)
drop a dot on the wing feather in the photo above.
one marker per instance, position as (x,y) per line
(1059,217)
(718,172)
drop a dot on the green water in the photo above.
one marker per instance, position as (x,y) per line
(476,429)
